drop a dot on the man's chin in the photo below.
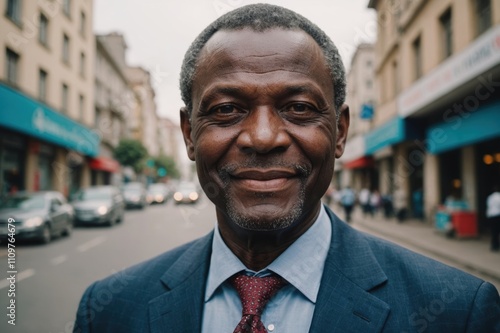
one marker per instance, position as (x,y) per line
(265,217)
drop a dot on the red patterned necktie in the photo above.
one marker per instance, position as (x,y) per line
(254,293)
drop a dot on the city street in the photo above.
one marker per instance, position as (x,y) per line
(52,278)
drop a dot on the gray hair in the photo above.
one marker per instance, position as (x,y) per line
(261,17)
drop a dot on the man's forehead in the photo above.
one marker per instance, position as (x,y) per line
(248,42)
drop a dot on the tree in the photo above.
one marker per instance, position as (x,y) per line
(131,152)
(168,164)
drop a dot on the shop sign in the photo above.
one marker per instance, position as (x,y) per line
(390,133)
(33,118)
(478,126)
(481,55)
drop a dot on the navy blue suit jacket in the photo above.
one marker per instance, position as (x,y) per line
(368,285)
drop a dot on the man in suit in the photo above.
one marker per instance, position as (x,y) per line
(264,119)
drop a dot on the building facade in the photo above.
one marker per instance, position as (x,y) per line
(168,137)
(144,119)
(114,104)
(354,168)
(46,95)
(437,108)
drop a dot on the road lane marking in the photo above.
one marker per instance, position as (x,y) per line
(58,260)
(91,243)
(19,277)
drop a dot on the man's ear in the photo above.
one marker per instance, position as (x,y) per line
(186,132)
(342,128)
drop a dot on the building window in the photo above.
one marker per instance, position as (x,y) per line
(42,85)
(81,106)
(417,57)
(64,98)
(483,15)
(65,49)
(67,7)
(82,64)
(83,23)
(43,29)
(14,10)
(447,33)
(12,66)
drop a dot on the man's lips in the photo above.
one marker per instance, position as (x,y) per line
(263,180)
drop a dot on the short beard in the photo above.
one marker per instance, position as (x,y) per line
(282,222)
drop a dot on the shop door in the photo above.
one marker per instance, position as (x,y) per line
(11,168)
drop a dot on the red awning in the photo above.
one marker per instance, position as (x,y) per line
(362,162)
(104,164)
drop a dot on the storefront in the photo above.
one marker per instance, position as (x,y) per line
(392,149)
(458,103)
(469,156)
(103,169)
(12,162)
(38,142)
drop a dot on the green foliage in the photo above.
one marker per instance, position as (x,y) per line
(132,153)
(169,165)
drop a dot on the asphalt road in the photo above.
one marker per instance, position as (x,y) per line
(51,278)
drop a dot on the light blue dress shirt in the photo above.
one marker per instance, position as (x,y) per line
(292,308)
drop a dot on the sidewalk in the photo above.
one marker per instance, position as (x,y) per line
(473,254)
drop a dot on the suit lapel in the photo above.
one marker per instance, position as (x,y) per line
(344,303)
(180,308)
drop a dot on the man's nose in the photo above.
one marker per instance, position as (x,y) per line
(264,132)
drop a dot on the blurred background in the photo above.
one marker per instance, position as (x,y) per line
(90,138)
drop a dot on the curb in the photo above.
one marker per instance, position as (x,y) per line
(470,266)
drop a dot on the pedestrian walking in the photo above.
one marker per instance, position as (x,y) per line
(347,200)
(387,205)
(400,204)
(493,215)
(375,201)
(364,200)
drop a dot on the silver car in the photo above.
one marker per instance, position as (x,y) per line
(98,205)
(37,215)
(186,192)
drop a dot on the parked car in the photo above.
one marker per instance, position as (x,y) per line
(38,215)
(186,192)
(98,204)
(157,193)
(135,195)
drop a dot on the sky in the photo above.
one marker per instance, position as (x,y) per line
(158,32)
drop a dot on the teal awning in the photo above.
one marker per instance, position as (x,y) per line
(388,134)
(21,113)
(464,129)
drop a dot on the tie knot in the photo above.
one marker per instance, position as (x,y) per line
(255,292)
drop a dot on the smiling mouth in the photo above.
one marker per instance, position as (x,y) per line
(263,180)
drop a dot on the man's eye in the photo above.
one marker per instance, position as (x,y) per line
(299,107)
(225,109)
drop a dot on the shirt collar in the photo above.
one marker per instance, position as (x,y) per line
(301,264)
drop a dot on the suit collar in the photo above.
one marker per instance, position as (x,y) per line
(351,271)
(180,308)
(344,301)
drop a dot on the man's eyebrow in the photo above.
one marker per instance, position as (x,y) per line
(300,89)
(287,90)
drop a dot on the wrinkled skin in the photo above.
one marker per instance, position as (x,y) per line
(264,135)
